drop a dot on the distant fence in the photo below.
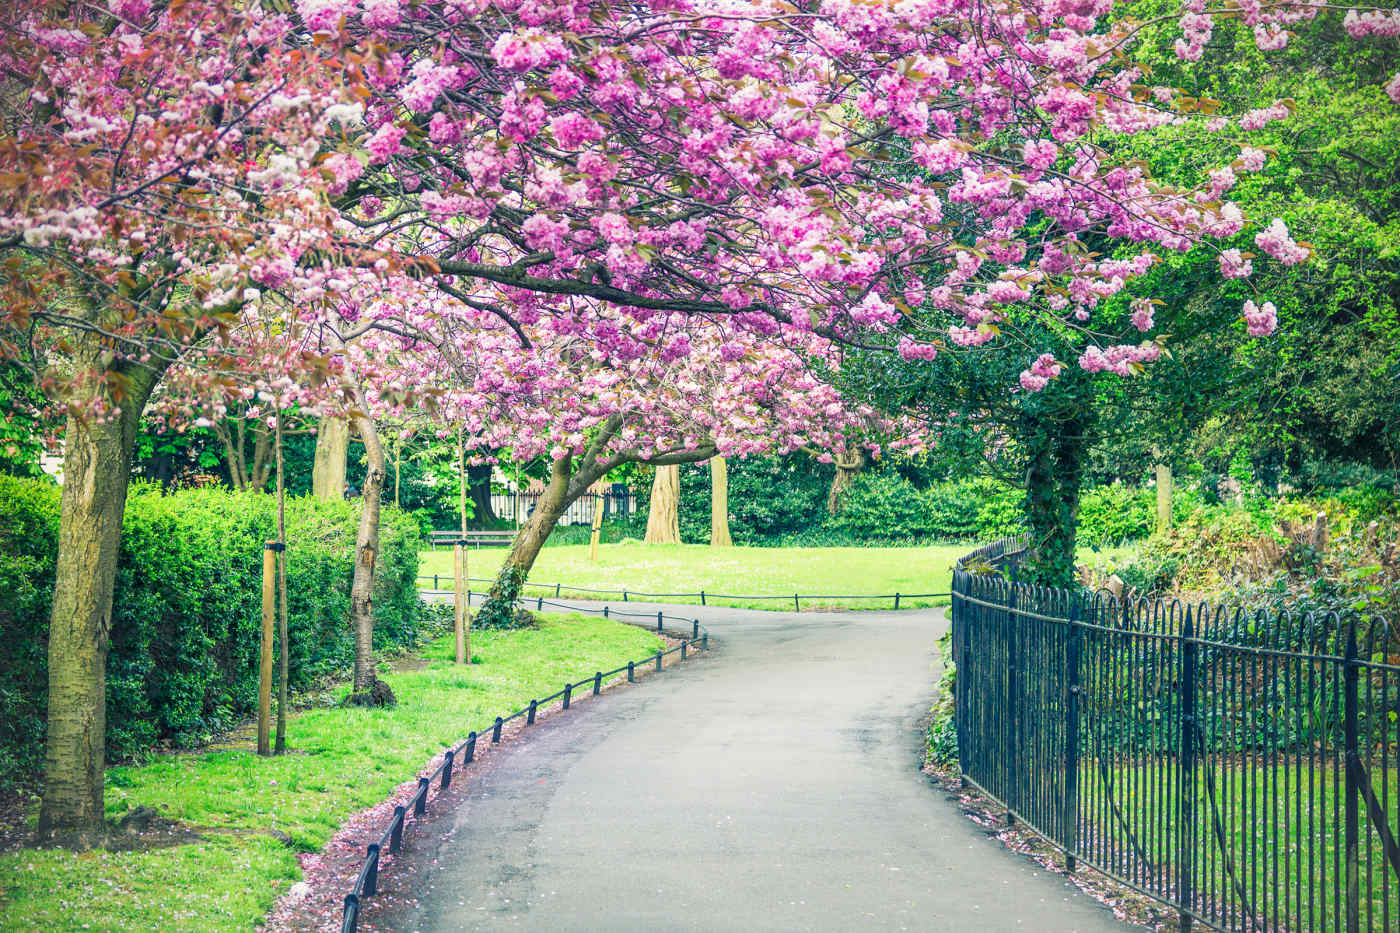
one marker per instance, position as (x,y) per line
(442,583)
(517,506)
(1238,767)
(366,884)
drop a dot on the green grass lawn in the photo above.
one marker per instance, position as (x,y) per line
(749,571)
(343,761)
(674,568)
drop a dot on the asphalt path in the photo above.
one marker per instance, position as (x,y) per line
(771,784)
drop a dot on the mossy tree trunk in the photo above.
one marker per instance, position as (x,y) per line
(719,503)
(96,472)
(664,517)
(1054,478)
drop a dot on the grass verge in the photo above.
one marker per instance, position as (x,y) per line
(245,808)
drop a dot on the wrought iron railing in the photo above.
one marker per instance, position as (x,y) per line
(1240,767)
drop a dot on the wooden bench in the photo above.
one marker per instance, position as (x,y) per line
(472,538)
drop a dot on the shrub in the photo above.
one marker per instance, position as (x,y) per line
(186,616)
(1114,514)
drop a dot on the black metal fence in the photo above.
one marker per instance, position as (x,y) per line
(692,635)
(1239,767)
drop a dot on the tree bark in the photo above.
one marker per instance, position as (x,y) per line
(96,472)
(663,519)
(1164,497)
(479,485)
(848,466)
(282,647)
(561,492)
(366,548)
(332,449)
(719,503)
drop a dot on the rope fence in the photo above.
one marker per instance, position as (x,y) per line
(390,841)
(561,589)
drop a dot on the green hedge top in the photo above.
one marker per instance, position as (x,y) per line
(187,609)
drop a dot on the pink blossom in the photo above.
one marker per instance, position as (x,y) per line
(1393,88)
(1235,265)
(914,350)
(1277,243)
(1261,320)
(523,51)
(1252,160)
(1143,311)
(384,144)
(382,14)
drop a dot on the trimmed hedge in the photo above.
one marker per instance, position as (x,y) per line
(187,610)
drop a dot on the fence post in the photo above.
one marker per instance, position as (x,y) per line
(1186,779)
(631,673)
(372,876)
(568,691)
(795,606)
(539,604)
(597,682)
(352,912)
(1353,787)
(896,600)
(658,660)
(420,802)
(556,590)
(496,730)
(624,596)
(396,830)
(1071,811)
(435,582)
(471,748)
(705,642)
(447,769)
(658,621)
(605,612)
(530,719)
(695,630)
(683,644)
(702,597)
(1013,706)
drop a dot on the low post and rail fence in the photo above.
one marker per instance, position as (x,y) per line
(691,634)
(1239,767)
(442,583)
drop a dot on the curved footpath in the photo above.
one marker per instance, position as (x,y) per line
(773,784)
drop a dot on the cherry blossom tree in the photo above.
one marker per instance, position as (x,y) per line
(156,179)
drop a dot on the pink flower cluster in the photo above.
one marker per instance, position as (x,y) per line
(1143,311)
(1262,320)
(1235,265)
(1121,359)
(914,350)
(525,51)
(1277,243)
(1040,373)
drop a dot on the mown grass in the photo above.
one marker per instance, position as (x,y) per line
(812,572)
(690,568)
(342,761)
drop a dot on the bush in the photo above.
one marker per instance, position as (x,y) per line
(1114,514)
(186,616)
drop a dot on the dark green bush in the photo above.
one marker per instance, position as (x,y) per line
(187,610)
(1114,514)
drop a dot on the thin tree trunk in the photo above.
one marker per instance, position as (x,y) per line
(663,518)
(257,473)
(1053,482)
(332,449)
(1164,497)
(366,549)
(283,647)
(719,503)
(96,472)
(848,466)
(461,616)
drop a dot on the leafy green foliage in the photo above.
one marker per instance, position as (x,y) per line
(187,610)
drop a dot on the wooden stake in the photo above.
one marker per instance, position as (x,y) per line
(269,611)
(284,650)
(597,528)
(459,600)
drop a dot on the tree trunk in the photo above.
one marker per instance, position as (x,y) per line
(1053,482)
(96,472)
(848,466)
(663,519)
(719,503)
(1164,497)
(479,484)
(366,549)
(499,607)
(332,449)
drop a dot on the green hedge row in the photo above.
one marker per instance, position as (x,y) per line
(187,611)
